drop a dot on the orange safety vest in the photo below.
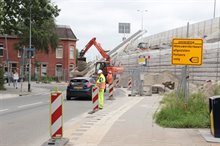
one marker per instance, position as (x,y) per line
(101,82)
(109,78)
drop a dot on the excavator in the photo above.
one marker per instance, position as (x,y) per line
(105,66)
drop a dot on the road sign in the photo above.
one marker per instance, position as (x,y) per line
(30,49)
(141,60)
(56,115)
(124,28)
(187,51)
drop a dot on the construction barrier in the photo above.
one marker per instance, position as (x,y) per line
(129,83)
(117,82)
(95,98)
(111,86)
(56,115)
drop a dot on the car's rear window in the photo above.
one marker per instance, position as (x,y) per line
(79,81)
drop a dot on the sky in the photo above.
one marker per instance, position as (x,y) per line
(100,18)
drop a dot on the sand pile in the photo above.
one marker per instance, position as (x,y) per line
(166,76)
(210,88)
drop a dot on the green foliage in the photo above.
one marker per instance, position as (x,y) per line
(177,114)
(16,20)
(46,79)
(1,13)
(1,79)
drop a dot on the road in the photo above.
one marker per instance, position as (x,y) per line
(24,121)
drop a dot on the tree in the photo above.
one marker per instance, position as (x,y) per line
(1,14)
(16,16)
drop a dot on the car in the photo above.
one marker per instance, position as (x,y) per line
(80,87)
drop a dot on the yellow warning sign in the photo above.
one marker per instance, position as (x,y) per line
(141,59)
(187,51)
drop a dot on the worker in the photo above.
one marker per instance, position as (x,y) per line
(109,78)
(100,83)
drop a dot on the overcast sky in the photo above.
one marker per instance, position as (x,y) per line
(100,18)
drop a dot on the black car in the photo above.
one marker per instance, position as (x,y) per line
(80,87)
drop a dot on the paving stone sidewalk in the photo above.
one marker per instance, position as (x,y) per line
(36,89)
(129,122)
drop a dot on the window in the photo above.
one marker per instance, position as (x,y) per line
(59,52)
(20,51)
(14,66)
(59,70)
(1,50)
(71,53)
(71,68)
(37,72)
(44,70)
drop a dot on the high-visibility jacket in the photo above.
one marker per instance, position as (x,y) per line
(101,82)
(109,78)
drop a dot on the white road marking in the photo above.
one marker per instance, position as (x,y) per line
(26,105)
(3,110)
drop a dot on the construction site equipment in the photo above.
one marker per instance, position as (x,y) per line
(89,68)
(105,65)
(169,84)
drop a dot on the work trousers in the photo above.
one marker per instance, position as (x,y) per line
(101,98)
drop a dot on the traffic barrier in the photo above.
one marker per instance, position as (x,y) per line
(95,98)
(117,82)
(111,87)
(56,115)
(129,83)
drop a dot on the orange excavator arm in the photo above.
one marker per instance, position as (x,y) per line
(98,47)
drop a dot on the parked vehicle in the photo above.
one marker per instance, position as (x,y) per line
(80,87)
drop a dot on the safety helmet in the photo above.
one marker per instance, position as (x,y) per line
(99,71)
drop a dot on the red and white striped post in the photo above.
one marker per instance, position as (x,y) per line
(56,115)
(117,82)
(129,83)
(111,88)
(95,98)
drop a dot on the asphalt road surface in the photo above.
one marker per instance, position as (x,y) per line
(24,121)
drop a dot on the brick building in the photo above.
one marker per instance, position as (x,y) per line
(56,63)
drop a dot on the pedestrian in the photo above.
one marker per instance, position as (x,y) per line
(15,79)
(100,83)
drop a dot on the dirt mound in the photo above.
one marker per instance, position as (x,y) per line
(82,65)
(166,76)
(210,88)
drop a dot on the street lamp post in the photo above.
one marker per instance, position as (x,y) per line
(142,18)
(29,79)
(214,9)
(6,49)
